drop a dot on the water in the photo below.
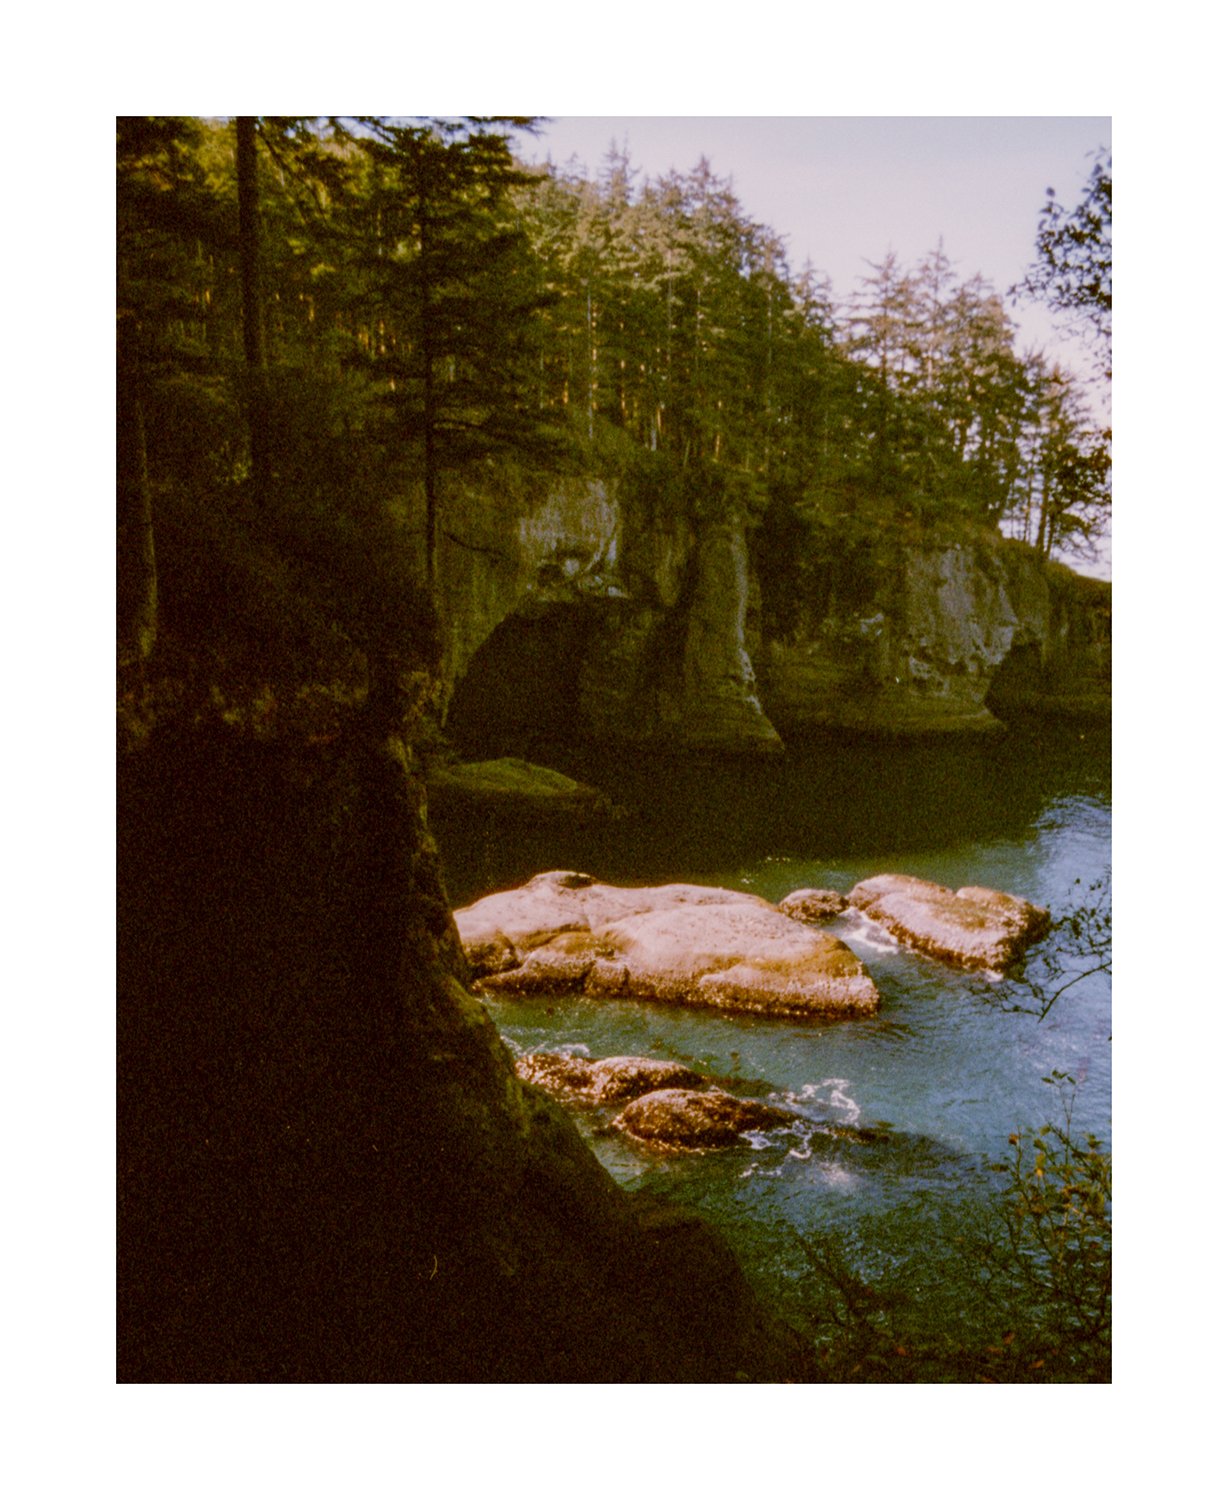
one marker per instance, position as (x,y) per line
(902,1114)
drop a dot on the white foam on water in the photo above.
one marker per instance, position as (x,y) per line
(830,1093)
(755,1170)
(838,1099)
(861,931)
(543,1041)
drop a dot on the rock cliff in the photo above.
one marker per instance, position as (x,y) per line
(904,633)
(605,610)
(585,607)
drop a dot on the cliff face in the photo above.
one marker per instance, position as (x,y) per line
(328,1170)
(898,635)
(596,612)
(587,609)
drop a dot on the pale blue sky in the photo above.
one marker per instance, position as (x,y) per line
(845,189)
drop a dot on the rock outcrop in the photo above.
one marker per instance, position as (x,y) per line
(973,927)
(681,944)
(896,634)
(695,1120)
(604,1080)
(510,785)
(327,1168)
(581,609)
(604,610)
(813,906)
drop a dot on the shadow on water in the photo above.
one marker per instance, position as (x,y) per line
(829,799)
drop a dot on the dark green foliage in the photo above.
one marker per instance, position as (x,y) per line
(678,322)
(779,548)
(299,591)
(444,272)
(1073,270)
(265,424)
(1050,1248)
(1043,1250)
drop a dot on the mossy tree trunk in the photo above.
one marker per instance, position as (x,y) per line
(136,564)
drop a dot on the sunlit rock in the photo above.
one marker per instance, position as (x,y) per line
(813,906)
(682,944)
(973,927)
(696,1119)
(608,1079)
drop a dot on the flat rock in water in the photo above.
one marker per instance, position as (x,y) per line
(973,927)
(607,1079)
(813,906)
(696,1119)
(556,1072)
(513,785)
(685,944)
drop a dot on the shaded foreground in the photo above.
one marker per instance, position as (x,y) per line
(328,1170)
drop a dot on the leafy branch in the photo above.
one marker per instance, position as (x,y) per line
(1051,1239)
(1079,946)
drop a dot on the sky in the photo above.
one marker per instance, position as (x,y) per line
(843,190)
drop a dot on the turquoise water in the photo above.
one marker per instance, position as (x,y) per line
(927,1092)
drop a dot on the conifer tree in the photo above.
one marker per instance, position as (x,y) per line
(449,285)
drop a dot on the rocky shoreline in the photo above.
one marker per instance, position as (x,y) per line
(667,1106)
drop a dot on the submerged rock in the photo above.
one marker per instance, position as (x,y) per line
(512,785)
(813,906)
(696,1119)
(973,927)
(557,1072)
(604,1080)
(685,944)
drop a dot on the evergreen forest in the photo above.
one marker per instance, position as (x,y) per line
(320,319)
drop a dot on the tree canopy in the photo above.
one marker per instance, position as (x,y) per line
(319,319)
(1073,269)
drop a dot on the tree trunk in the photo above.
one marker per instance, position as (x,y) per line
(253,306)
(136,569)
(426,336)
